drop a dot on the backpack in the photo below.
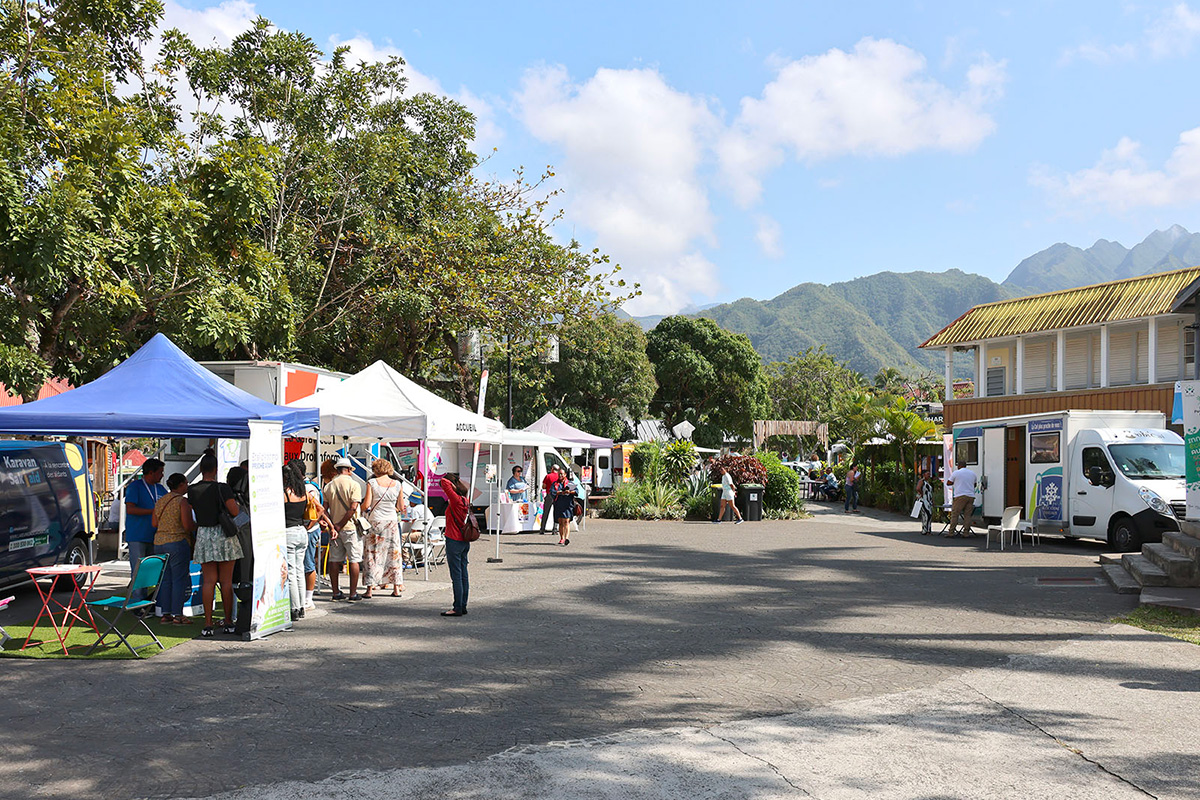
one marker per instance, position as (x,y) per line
(470,527)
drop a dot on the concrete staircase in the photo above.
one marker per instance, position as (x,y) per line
(1174,562)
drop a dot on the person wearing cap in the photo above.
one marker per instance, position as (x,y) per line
(342,498)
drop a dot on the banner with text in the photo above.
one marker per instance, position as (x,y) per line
(1191,438)
(272,603)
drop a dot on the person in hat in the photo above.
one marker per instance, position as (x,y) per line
(342,499)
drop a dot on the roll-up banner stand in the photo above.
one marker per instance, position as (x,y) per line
(1191,439)
(272,603)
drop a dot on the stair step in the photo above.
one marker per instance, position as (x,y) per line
(1182,543)
(1181,570)
(1144,572)
(1111,558)
(1121,580)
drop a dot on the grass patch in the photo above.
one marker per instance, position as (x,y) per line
(1166,621)
(82,638)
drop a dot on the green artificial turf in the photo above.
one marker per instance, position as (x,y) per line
(82,637)
(1165,621)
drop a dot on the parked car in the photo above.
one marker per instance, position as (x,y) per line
(47,508)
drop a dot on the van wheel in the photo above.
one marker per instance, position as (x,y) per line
(1123,536)
(78,554)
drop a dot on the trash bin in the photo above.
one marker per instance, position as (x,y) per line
(750,501)
(716,504)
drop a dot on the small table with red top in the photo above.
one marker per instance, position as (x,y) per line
(83,578)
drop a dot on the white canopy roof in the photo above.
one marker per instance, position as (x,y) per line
(381,403)
(535,439)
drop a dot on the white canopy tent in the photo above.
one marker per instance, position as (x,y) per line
(380,403)
(522,438)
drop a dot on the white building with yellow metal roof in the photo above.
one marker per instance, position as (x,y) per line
(1118,345)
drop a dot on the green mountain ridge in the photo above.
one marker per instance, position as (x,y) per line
(879,320)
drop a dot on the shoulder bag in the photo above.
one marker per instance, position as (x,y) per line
(470,527)
(233,526)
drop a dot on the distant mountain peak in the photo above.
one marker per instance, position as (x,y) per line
(1064,266)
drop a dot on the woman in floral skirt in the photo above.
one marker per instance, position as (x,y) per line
(384,504)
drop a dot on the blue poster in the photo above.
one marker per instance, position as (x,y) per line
(1050,497)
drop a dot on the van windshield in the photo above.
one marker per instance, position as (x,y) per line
(1148,460)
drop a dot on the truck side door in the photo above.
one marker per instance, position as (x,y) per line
(1091,503)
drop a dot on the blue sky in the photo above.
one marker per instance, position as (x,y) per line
(719,151)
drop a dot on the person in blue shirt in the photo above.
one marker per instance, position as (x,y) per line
(517,488)
(140,498)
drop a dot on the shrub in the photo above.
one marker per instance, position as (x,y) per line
(660,495)
(695,486)
(783,485)
(645,461)
(678,458)
(624,502)
(643,500)
(698,506)
(744,469)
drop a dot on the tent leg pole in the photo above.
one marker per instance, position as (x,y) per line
(496,559)
(425,525)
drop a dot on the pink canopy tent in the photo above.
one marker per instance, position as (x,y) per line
(553,426)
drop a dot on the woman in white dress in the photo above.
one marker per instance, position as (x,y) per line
(384,505)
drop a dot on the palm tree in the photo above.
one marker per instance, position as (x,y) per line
(906,428)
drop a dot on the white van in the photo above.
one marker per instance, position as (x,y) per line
(1117,476)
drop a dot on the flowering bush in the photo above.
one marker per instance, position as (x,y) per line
(743,469)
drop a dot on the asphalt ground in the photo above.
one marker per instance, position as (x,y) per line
(634,626)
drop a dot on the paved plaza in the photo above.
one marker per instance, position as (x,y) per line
(838,656)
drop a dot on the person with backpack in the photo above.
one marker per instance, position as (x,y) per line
(457,531)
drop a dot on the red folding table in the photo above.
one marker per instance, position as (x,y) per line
(82,579)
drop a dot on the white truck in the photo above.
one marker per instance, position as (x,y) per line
(1117,476)
(281,383)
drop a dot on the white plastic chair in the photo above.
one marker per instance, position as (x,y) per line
(1010,527)
(1030,527)
(432,542)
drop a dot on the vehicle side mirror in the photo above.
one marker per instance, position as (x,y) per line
(1095,476)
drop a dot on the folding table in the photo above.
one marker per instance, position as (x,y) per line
(71,609)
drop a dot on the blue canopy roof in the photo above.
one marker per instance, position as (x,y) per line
(158,391)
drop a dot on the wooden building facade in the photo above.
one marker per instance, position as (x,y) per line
(1118,345)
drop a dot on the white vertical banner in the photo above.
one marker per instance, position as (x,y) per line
(272,603)
(1191,443)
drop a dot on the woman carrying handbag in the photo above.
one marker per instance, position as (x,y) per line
(457,543)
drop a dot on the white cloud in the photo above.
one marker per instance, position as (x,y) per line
(1122,180)
(876,100)
(1172,33)
(632,150)
(769,235)
(217,24)
(487,132)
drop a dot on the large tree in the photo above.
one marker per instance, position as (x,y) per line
(706,375)
(390,248)
(100,236)
(602,375)
(807,386)
(302,207)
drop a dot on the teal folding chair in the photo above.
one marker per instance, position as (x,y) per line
(149,576)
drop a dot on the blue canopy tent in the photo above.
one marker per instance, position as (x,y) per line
(158,391)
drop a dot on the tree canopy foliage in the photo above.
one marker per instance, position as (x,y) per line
(602,371)
(255,200)
(708,376)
